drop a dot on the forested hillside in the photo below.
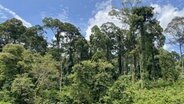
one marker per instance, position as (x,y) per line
(115,66)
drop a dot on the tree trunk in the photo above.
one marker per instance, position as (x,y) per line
(181,56)
(153,64)
(120,63)
(107,53)
(134,68)
(120,54)
(142,56)
(59,59)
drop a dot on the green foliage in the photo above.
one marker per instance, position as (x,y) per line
(34,40)
(5,97)
(88,82)
(13,31)
(11,55)
(98,55)
(14,49)
(22,89)
(21,69)
(167,64)
(8,65)
(45,75)
(118,93)
(150,32)
(171,94)
(116,66)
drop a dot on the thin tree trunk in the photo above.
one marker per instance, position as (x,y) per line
(142,56)
(153,64)
(107,53)
(126,60)
(59,59)
(120,55)
(134,68)
(120,63)
(181,56)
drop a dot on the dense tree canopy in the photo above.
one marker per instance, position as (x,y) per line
(116,66)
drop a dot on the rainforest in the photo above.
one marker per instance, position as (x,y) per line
(125,64)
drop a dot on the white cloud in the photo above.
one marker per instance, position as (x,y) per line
(12,13)
(102,5)
(166,13)
(102,16)
(167,46)
(61,14)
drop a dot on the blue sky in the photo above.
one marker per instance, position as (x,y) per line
(83,13)
(77,12)
(34,10)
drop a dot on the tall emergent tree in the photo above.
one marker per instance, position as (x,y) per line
(67,46)
(34,39)
(13,31)
(56,26)
(116,38)
(150,37)
(176,29)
